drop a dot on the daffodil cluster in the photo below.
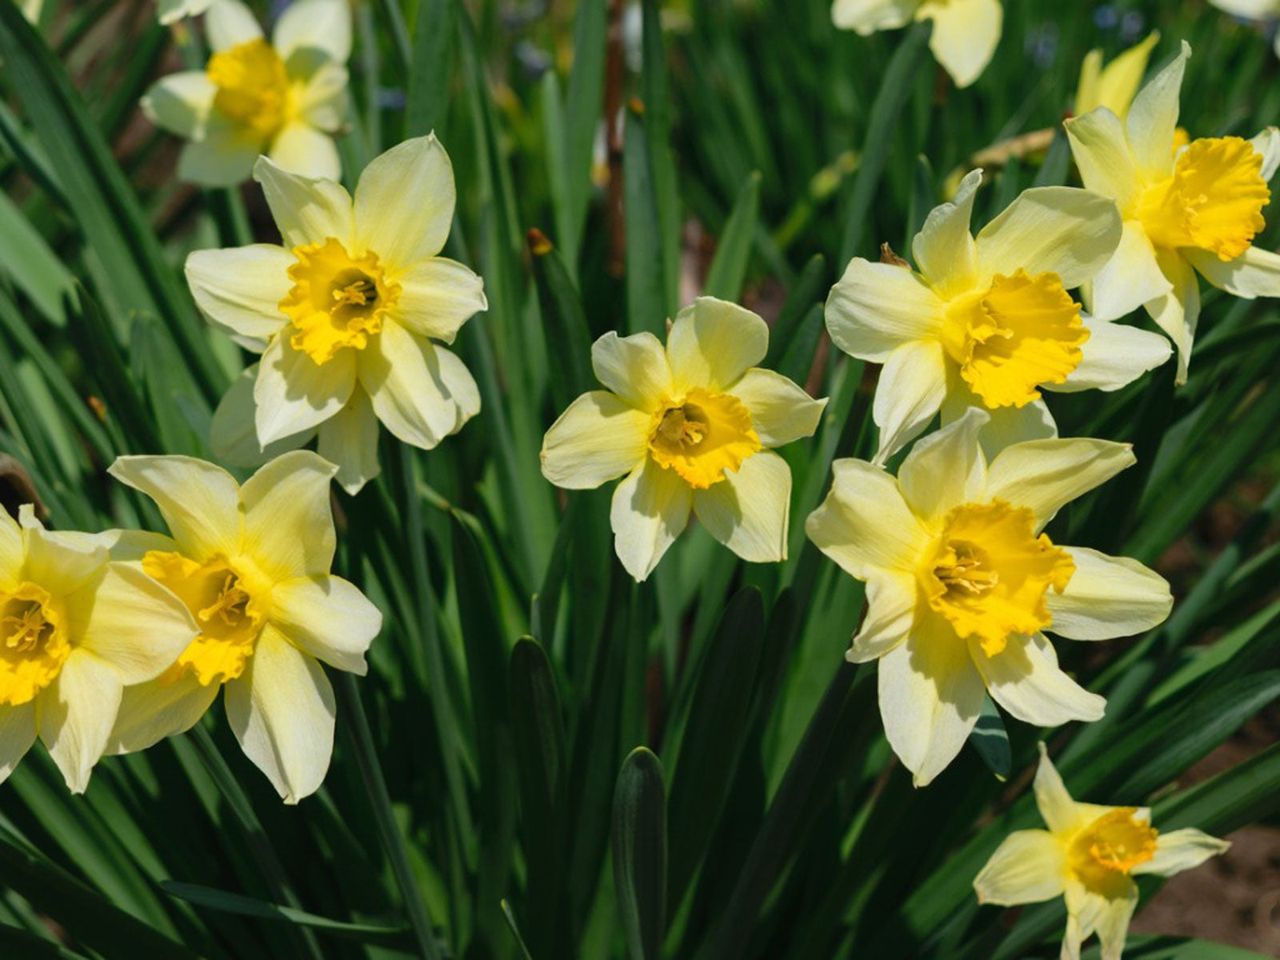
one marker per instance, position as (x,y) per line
(114,641)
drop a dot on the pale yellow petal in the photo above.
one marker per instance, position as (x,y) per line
(1045,475)
(404,203)
(323,101)
(930,698)
(748,510)
(1112,923)
(865,525)
(1027,867)
(912,386)
(17,734)
(130,622)
(233,433)
(281,709)
(200,502)
(597,439)
(305,210)
(1267,143)
(1153,118)
(240,288)
(301,148)
(314,25)
(634,367)
(1061,230)
(1177,313)
(223,157)
(1100,147)
(891,604)
(1114,356)
(327,617)
(1131,278)
(60,562)
(875,308)
(1026,680)
(965,35)
(1005,425)
(180,103)
(288,519)
(294,394)
(712,343)
(1255,273)
(229,22)
(1108,597)
(1180,850)
(437,296)
(160,708)
(421,392)
(76,713)
(350,440)
(868,16)
(781,411)
(944,249)
(12,550)
(945,468)
(650,508)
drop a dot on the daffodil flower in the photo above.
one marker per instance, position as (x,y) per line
(75,628)
(252,565)
(1089,855)
(962,581)
(692,427)
(1113,86)
(171,11)
(1262,10)
(1187,210)
(987,321)
(346,314)
(965,32)
(285,99)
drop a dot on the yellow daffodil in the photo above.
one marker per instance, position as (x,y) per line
(75,628)
(285,99)
(1187,209)
(987,321)
(252,565)
(1261,10)
(1114,85)
(962,580)
(692,427)
(1089,855)
(171,11)
(965,32)
(345,314)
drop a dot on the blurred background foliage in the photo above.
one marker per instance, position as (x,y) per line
(548,760)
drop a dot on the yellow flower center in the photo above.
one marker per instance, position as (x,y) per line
(337,300)
(252,87)
(229,615)
(1113,844)
(702,436)
(1213,201)
(1020,332)
(33,643)
(988,573)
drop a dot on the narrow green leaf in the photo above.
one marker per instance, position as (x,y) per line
(640,854)
(571,179)
(427,96)
(895,87)
(538,735)
(990,739)
(226,902)
(713,735)
(729,268)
